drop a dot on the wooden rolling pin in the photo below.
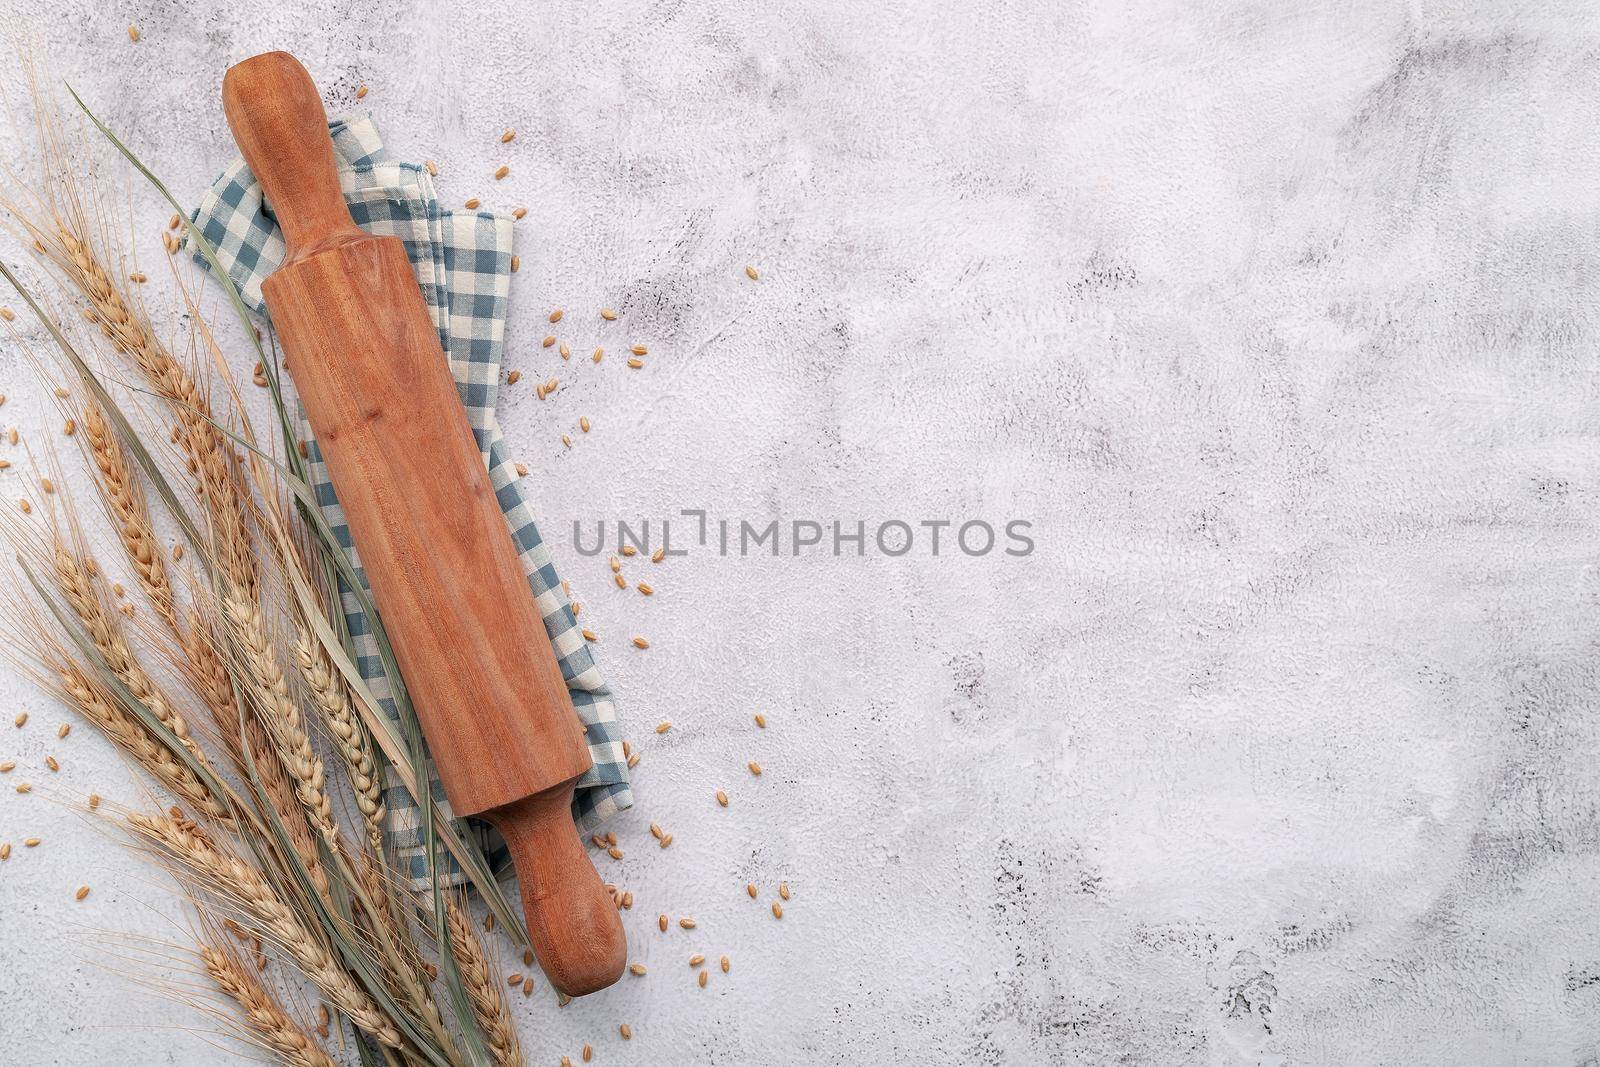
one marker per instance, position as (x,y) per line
(365,357)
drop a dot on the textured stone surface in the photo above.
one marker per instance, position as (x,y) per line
(1278,323)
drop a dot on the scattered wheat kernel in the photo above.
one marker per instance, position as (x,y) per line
(8,314)
(501,171)
(169,243)
(627,899)
(432,167)
(361,92)
(611,837)
(4,463)
(32,842)
(47,485)
(50,761)
(177,551)
(550,386)
(137,278)
(696,960)
(666,841)
(133,33)
(566,353)
(751,273)
(783,890)
(588,1053)
(687,923)
(656,831)
(94,801)
(12,435)
(550,340)
(622,583)
(82,892)
(522,470)
(616,564)
(614,852)
(519,213)
(8,766)
(658,555)
(645,589)
(22,718)
(583,423)
(702,979)
(750,887)
(515,979)
(555,316)
(726,964)
(527,987)
(577,608)
(597,841)
(639,350)
(590,635)
(173,223)
(70,428)
(663,728)
(27,508)
(566,1061)
(722,798)
(635,363)
(472,203)
(626,1031)
(514,377)
(633,760)
(323,1016)
(777,910)
(5,851)
(608,314)
(761,720)
(661,921)
(639,642)
(24,787)
(566,439)
(599,354)
(64,730)
(516,264)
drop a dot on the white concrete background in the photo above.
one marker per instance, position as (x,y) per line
(1278,323)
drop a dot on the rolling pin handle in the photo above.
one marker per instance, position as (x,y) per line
(277,119)
(572,920)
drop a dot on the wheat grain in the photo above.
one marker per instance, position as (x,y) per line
(639,350)
(722,798)
(626,1031)
(702,979)
(82,892)
(751,273)
(777,910)
(519,213)
(501,171)
(726,965)
(783,890)
(639,642)
(696,960)
(687,923)
(755,768)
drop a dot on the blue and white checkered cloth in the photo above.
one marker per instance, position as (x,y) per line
(463,264)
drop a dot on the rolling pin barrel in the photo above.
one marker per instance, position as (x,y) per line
(445,574)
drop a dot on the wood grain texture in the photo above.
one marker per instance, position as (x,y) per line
(366,360)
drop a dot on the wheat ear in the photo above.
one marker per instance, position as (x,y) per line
(269,1024)
(332,699)
(93,703)
(210,678)
(211,459)
(119,487)
(282,714)
(76,585)
(482,985)
(237,882)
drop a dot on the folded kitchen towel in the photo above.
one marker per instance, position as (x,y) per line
(463,264)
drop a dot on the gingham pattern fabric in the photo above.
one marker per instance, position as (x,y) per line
(463,265)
